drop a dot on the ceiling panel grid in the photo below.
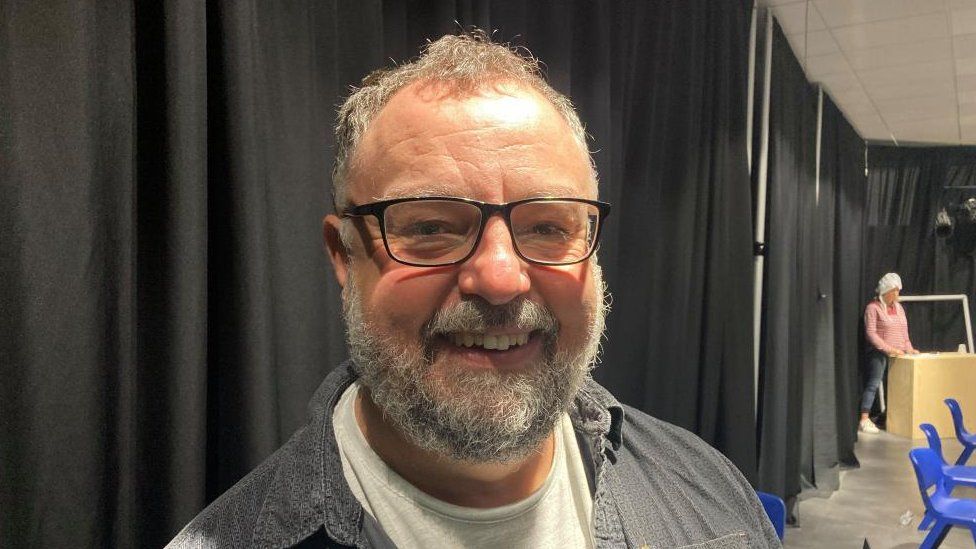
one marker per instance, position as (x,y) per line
(902,71)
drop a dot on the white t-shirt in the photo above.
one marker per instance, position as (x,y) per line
(558,514)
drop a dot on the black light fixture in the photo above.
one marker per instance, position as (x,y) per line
(969,211)
(943,224)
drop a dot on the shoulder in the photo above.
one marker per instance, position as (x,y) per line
(666,467)
(674,450)
(288,495)
(873,306)
(230,519)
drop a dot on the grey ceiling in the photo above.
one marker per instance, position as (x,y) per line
(902,71)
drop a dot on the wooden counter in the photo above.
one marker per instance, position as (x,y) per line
(917,386)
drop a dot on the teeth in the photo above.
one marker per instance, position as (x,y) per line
(500,342)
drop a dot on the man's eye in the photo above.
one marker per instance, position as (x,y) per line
(548,229)
(427,228)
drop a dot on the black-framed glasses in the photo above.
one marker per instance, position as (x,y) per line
(434,231)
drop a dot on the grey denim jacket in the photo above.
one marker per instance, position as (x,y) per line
(653,485)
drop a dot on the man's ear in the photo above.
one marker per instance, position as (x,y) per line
(338,252)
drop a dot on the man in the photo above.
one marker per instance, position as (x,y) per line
(467,219)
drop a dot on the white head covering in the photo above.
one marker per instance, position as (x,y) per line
(887,283)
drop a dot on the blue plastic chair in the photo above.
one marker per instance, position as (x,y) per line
(967,439)
(945,510)
(954,474)
(776,510)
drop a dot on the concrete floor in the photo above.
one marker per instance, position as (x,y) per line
(871,500)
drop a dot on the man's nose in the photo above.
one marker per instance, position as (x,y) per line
(495,272)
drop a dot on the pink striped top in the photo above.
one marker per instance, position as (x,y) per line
(887,332)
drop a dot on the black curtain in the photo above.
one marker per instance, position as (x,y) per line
(842,176)
(907,187)
(811,295)
(679,259)
(790,304)
(167,309)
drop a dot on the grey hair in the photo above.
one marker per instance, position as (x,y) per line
(468,62)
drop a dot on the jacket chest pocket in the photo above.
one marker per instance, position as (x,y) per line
(738,540)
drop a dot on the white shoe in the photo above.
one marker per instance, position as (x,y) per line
(868,426)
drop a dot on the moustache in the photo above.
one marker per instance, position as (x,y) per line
(475,314)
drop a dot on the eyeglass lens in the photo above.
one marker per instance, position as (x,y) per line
(438,232)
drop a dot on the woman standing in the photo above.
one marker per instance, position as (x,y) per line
(886,328)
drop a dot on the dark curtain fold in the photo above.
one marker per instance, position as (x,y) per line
(907,187)
(820,440)
(792,310)
(812,288)
(68,272)
(680,331)
(842,175)
(164,167)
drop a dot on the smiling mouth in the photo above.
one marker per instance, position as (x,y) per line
(494,342)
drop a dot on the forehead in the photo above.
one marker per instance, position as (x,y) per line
(500,143)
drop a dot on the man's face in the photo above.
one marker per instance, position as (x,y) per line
(414,326)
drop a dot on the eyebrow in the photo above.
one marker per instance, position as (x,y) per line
(435,189)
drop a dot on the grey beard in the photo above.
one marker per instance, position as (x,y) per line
(476,416)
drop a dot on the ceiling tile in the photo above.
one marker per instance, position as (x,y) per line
(928,137)
(853,101)
(870,126)
(966,82)
(820,65)
(837,13)
(840,82)
(961,4)
(966,66)
(899,54)
(937,130)
(963,21)
(797,19)
(966,96)
(967,109)
(941,122)
(964,46)
(917,108)
(819,43)
(867,119)
(875,134)
(882,33)
(915,89)
(968,128)
(917,72)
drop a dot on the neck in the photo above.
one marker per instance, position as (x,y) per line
(468,484)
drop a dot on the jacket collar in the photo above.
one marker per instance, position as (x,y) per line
(597,413)
(309,489)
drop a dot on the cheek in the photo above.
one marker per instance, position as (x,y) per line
(404,298)
(571,294)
